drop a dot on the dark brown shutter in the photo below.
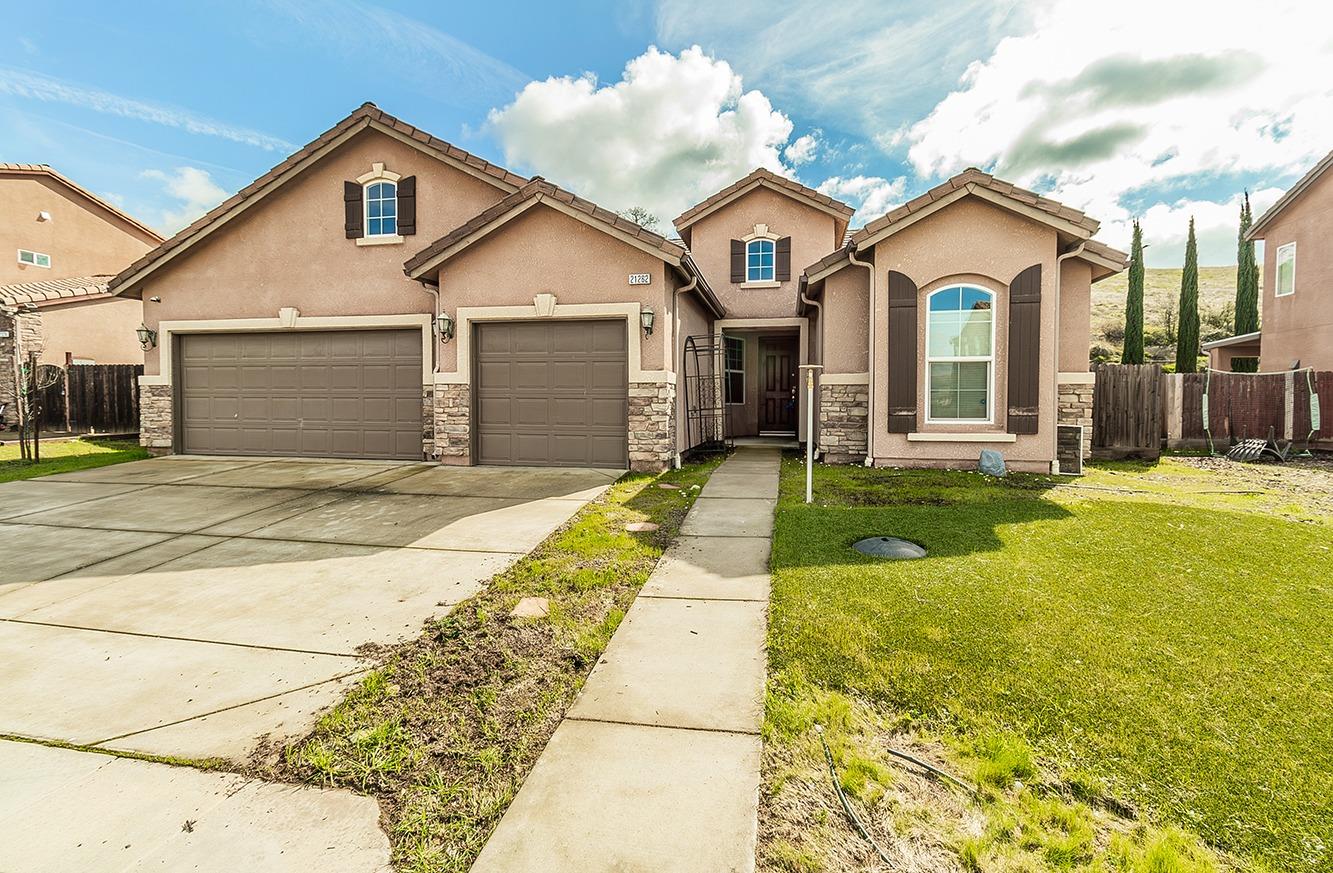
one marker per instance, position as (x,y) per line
(902,353)
(407,206)
(1024,350)
(353,217)
(737,261)
(782,261)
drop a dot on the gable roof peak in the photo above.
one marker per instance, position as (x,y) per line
(769,179)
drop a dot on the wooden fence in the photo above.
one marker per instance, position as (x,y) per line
(1126,411)
(1245,406)
(101,398)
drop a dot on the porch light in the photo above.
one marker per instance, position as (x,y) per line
(147,336)
(646,320)
(444,322)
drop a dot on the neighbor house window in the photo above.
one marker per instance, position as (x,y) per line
(960,354)
(1285,282)
(735,369)
(36,259)
(381,209)
(759,260)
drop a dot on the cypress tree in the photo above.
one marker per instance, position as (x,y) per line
(1247,286)
(1133,350)
(1187,335)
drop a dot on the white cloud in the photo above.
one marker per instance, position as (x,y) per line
(1166,96)
(1166,225)
(192,188)
(802,149)
(871,195)
(673,130)
(37,87)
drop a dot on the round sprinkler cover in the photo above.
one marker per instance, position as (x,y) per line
(889,547)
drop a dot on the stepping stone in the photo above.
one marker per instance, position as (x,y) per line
(532,607)
(641,527)
(668,486)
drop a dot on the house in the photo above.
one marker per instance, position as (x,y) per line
(385,294)
(1296,325)
(54,301)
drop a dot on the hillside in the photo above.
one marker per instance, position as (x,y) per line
(1161,292)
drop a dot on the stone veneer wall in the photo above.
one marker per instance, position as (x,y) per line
(843,411)
(450,439)
(652,425)
(25,336)
(1075,407)
(156,429)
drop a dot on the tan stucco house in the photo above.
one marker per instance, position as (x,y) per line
(1296,324)
(67,243)
(385,294)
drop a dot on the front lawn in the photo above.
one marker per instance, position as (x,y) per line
(66,456)
(1086,650)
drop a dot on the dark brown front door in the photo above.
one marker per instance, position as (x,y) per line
(777,384)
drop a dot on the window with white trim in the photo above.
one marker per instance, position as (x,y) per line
(759,260)
(381,208)
(734,370)
(960,354)
(1284,276)
(34,259)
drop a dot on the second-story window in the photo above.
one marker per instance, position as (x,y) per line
(381,209)
(759,260)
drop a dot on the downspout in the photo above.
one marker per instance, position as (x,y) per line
(677,354)
(1055,425)
(870,355)
(433,289)
(819,308)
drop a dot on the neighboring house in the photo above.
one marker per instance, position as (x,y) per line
(67,243)
(384,294)
(1296,325)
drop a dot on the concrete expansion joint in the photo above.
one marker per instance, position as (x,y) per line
(664,727)
(103,630)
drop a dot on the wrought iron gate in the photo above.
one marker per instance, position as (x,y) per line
(705,406)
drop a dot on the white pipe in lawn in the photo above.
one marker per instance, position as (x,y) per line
(810,428)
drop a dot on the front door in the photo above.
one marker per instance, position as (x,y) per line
(777,384)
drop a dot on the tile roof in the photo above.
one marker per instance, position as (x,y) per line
(1292,193)
(365,114)
(7,169)
(771,179)
(53,290)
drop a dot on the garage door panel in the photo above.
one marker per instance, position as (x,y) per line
(606,413)
(337,393)
(530,375)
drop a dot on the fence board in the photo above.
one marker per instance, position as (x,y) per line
(1126,411)
(102,398)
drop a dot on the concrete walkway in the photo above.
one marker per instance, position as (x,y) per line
(656,766)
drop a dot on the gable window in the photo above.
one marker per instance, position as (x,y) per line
(960,354)
(759,260)
(1284,282)
(35,259)
(734,370)
(381,209)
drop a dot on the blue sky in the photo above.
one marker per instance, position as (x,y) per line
(1160,113)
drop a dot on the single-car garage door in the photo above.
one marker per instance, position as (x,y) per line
(338,394)
(552,393)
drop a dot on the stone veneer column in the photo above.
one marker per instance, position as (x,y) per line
(1075,407)
(843,412)
(156,429)
(652,425)
(451,434)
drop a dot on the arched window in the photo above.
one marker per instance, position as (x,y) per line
(960,354)
(759,260)
(381,208)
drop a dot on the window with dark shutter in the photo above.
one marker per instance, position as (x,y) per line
(407,206)
(902,353)
(737,261)
(1024,350)
(353,219)
(784,259)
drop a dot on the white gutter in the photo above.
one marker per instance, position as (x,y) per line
(1055,425)
(426,285)
(870,358)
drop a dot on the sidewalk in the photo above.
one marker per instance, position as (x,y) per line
(656,766)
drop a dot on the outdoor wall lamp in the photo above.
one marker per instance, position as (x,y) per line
(646,320)
(147,337)
(444,322)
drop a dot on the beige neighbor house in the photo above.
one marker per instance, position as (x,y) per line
(1297,313)
(66,244)
(384,294)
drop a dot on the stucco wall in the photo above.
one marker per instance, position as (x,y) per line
(973,242)
(100,330)
(1075,315)
(291,251)
(846,326)
(1300,325)
(82,238)
(812,237)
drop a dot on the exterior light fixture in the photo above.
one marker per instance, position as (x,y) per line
(444,322)
(646,320)
(147,337)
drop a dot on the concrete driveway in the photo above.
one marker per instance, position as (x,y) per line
(188,606)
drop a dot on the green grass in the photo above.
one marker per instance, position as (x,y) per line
(1138,652)
(66,456)
(446,727)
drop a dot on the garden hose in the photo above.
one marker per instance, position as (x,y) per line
(846,804)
